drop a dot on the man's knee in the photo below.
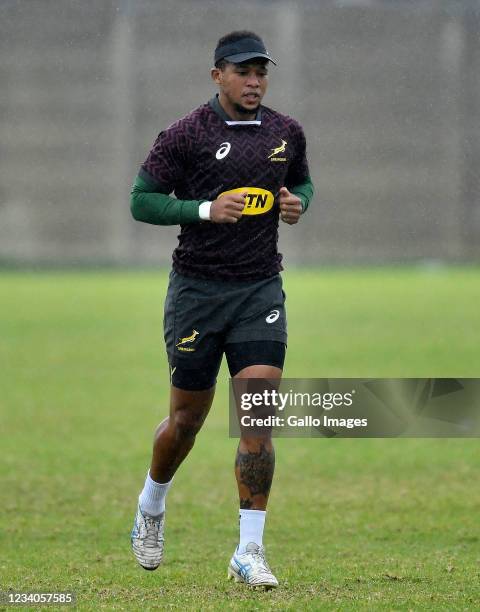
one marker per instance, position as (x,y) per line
(188,411)
(187,422)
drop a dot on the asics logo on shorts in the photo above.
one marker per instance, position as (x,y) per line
(273,316)
(223,151)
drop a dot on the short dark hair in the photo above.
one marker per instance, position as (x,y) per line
(232,37)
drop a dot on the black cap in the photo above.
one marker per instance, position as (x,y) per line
(241,51)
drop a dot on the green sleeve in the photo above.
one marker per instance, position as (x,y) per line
(305,192)
(159,208)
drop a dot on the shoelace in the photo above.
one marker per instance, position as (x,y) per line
(259,558)
(152,528)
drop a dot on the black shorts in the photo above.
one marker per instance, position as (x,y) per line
(206,318)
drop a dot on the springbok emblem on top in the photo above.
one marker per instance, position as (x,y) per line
(280,149)
(188,339)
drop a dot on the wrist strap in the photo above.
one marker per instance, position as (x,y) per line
(204,211)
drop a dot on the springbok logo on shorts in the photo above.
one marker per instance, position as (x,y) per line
(257,201)
(187,340)
(273,316)
(223,151)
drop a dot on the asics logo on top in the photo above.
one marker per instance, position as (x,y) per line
(257,201)
(273,316)
(277,150)
(223,151)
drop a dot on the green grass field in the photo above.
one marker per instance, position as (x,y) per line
(353,524)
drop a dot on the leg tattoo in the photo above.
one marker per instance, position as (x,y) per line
(254,472)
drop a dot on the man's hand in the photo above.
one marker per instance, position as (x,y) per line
(228,208)
(290,206)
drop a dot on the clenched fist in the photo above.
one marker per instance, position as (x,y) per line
(228,208)
(290,206)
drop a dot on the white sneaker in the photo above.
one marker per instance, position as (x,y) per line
(147,539)
(252,568)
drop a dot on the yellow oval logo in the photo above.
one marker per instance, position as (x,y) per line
(257,201)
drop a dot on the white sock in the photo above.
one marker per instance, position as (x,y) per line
(252,523)
(152,498)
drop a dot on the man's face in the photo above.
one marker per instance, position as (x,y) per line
(243,85)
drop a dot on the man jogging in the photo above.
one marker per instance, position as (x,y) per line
(235,168)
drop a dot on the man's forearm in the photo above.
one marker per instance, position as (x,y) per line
(156,208)
(304,191)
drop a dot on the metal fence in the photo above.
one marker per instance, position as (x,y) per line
(388,93)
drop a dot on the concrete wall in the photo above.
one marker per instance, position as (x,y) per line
(388,93)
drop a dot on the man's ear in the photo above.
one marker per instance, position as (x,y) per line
(216,75)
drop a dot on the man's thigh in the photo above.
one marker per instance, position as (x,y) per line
(193,334)
(256,359)
(258,334)
(259,314)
